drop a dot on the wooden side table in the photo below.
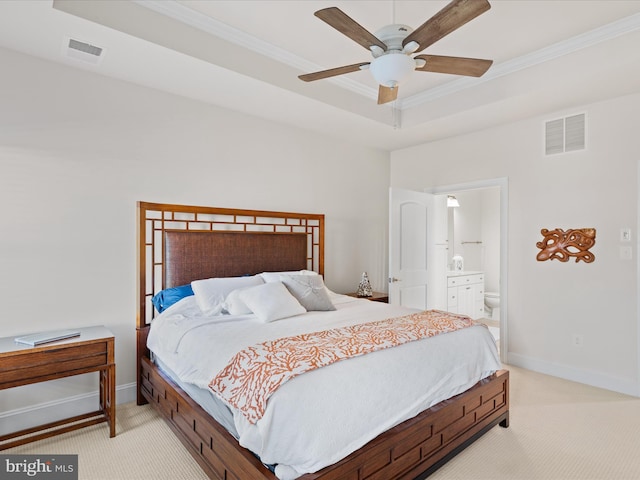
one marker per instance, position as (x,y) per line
(376,297)
(92,351)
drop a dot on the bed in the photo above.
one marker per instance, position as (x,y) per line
(180,244)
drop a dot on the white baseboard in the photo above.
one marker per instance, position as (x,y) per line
(22,418)
(575,374)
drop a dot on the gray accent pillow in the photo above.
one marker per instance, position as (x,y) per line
(309,290)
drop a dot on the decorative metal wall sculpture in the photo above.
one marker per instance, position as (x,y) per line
(561,245)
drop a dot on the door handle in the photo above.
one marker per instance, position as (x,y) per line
(393,279)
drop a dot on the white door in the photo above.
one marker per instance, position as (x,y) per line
(417,249)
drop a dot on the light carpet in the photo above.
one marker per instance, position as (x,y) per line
(559,430)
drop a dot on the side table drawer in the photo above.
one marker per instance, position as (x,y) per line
(37,366)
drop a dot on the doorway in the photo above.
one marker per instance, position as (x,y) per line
(478,248)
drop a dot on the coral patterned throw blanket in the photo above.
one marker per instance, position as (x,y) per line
(254,373)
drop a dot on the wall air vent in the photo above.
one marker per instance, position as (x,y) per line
(565,134)
(83,51)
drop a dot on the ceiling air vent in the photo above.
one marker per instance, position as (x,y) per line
(84,51)
(565,134)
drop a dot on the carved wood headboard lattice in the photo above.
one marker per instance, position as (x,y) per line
(159,222)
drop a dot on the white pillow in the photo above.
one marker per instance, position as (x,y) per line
(234,306)
(271,301)
(275,276)
(211,293)
(309,290)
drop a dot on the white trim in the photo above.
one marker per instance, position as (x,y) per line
(565,47)
(587,377)
(503,183)
(177,11)
(31,416)
(637,235)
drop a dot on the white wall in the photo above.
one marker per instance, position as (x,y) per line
(477,219)
(77,151)
(550,301)
(490,234)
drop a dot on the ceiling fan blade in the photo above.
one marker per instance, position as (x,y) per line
(471,67)
(349,27)
(332,72)
(450,18)
(387,94)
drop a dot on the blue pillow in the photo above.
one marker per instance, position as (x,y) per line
(167,297)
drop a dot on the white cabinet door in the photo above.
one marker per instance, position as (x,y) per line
(478,301)
(452,299)
(466,295)
(466,299)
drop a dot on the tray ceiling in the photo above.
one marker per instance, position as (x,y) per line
(246,55)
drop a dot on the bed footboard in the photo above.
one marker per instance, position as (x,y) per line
(412,449)
(215,449)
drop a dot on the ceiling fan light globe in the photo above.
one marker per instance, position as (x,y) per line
(391,69)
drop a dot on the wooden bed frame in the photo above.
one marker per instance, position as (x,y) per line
(411,450)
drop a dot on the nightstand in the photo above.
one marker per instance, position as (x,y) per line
(376,297)
(92,351)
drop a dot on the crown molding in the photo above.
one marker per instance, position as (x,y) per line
(606,32)
(179,12)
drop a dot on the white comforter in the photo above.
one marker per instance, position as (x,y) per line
(320,417)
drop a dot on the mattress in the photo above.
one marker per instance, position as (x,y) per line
(345,404)
(203,397)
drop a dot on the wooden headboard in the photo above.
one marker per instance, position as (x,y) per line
(178,244)
(190,255)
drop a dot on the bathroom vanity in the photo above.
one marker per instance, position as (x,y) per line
(465,293)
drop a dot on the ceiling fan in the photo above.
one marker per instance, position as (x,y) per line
(393,45)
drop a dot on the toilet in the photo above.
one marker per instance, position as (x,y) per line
(492,305)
